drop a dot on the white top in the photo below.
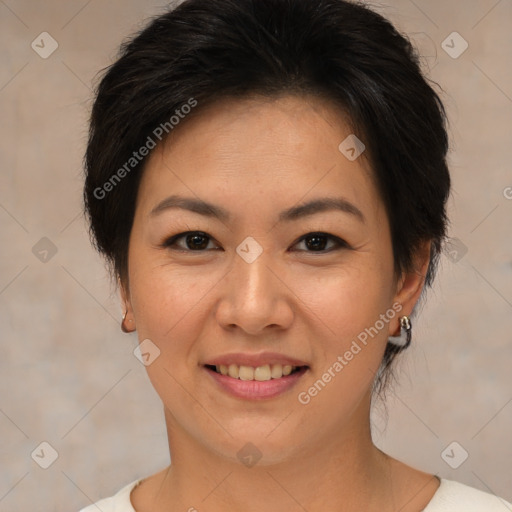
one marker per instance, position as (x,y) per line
(450,497)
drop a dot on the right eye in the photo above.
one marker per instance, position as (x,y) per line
(195,241)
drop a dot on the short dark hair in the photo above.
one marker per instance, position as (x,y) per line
(204,50)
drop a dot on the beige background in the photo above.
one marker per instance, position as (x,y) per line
(68,375)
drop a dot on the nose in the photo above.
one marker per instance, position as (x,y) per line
(254,297)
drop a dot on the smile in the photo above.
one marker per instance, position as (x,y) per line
(255,383)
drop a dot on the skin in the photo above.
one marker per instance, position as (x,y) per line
(257,157)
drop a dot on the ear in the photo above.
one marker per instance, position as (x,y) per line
(410,284)
(128,321)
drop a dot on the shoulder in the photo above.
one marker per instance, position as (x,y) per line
(119,502)
(453,497)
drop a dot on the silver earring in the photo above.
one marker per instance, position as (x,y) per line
(403,340)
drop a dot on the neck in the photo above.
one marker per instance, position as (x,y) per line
(345,473)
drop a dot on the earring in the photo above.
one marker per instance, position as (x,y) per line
(403,340)
(123,327)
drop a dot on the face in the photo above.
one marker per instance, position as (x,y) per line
(258,282)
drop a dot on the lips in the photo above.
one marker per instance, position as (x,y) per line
(256,376)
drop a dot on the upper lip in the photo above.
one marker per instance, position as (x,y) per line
(254,360)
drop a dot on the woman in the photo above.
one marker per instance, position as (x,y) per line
(268,180)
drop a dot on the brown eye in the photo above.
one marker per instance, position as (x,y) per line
(317,242)
(194,241)
(197,241)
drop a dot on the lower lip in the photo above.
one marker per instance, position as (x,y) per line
(255,389)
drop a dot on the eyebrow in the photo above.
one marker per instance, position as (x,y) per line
(206,209)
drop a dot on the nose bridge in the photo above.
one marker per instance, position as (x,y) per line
(254,297)
(254,283)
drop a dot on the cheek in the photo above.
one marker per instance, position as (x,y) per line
(169,307)
(167,302)
(346,300)
(347,307)
(350,339)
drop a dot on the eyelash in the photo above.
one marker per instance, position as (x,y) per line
(340,243)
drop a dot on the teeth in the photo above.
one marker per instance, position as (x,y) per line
(260,373)
(246,373)
(233,371)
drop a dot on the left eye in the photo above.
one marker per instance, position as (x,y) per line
(318,241)
(197,241)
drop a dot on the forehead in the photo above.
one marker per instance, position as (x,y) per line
(282,149)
